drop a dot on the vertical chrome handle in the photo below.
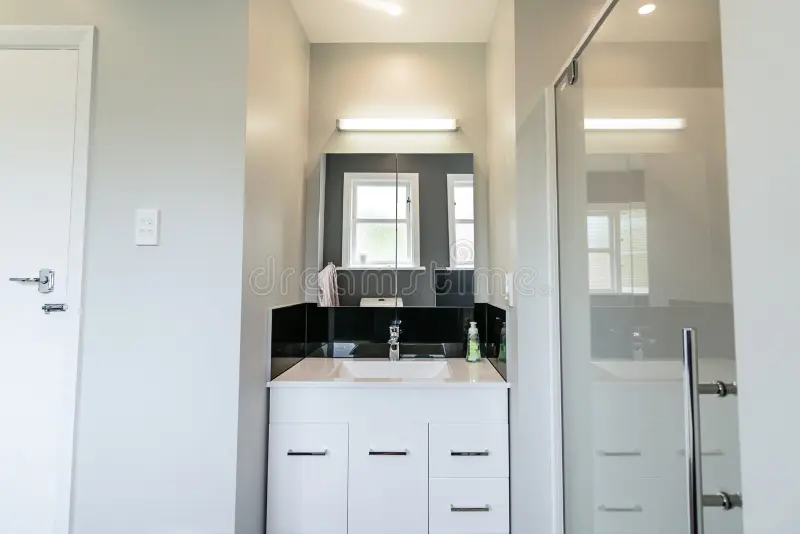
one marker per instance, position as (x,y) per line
(691,403)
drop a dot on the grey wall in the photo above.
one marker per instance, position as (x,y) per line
(762,116)
(417,288)
(277,143)
(158,400)
(400,80)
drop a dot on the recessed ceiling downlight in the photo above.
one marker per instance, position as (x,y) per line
(394,10)
(647,9)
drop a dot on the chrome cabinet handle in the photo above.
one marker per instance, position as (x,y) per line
(300,453)
(715,452)
(485,452)
(619,453)
(611,509)
(486,508)
(388,453)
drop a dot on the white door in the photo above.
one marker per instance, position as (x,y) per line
(39,95)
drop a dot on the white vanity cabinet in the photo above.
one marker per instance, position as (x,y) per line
(391,459)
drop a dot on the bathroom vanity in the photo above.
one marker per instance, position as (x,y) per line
(380,447)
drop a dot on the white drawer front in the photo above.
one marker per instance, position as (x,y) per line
(307,479)
(469,506)
(639,506)
(388,491)
(469,451)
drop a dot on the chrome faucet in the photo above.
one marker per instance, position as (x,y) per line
(394,340)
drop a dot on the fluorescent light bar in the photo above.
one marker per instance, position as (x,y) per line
(397,125)
(634,124)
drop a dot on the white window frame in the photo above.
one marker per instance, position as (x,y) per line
(613,211)
(452,181)
(351,181)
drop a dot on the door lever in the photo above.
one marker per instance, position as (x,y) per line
(46,280)
(50,308)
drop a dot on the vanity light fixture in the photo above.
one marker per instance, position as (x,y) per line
(647,9)
(397,125)
(634,124)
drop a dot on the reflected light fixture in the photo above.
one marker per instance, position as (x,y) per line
(647,9)
(397,125)
(634,124)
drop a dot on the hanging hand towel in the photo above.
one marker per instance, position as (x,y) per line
(328,288)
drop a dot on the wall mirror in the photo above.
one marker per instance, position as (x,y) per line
(398,228)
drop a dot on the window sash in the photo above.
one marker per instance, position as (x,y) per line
(614,213)
(453,181)
(350,222)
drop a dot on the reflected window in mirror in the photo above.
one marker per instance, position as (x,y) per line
(461,218)
(618,254)
(380,223)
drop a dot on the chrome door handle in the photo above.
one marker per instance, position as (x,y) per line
(46,280)
(723,500)
(50,308)
(692,389)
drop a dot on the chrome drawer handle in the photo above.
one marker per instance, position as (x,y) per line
(485,452)
(486,508)
(611,509)
(619,453)
(388,453)
(301,453)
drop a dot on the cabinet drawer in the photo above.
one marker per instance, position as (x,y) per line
(641,506)
(469,506)
(388,491)
(469,451)
(307,479)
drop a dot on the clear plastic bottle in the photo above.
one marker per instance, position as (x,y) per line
(473,343)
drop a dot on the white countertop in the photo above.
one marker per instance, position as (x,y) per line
(349,372)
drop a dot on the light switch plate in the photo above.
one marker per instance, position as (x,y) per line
(147,227)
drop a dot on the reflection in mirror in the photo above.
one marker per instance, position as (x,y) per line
(399,230)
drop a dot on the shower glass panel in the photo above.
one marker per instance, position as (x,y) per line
(644,252)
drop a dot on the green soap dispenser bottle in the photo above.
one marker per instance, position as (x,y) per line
(473,343)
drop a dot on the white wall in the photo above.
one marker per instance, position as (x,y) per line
(762,113)
(277,143)
(400,80)
(501,146)
(546,33)
(158,401)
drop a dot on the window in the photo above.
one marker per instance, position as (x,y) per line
(380,220)
(461,217)
(618,262)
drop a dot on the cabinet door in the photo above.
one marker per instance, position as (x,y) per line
(388,491)
(307,479)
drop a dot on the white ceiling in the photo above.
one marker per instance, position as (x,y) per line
(422,21)
(672,21)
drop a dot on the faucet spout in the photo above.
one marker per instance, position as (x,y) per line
(394,341)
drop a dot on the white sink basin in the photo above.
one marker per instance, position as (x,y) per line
(383,370)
